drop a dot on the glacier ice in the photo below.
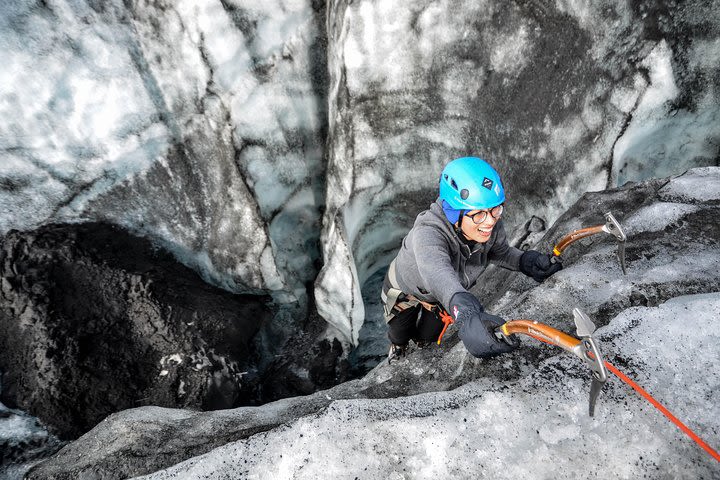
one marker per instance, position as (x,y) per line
(276,145)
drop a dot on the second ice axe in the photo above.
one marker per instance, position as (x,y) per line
(611,226)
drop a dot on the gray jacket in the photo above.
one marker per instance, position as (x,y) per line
(433,263)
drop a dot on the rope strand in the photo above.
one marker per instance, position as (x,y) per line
(699,441)
(664,411)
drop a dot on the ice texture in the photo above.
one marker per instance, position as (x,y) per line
(24,441)
(536,427)
(561,97)
(699,185)
(199,125)
(279,145)
(661,135)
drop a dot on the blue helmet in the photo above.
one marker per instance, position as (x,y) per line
(469,183)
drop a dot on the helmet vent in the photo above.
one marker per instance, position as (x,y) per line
(453,184)
(464,193)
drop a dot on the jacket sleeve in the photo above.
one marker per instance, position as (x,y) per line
(502,253)
(435,266)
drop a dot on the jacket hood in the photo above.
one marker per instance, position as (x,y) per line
(435,217)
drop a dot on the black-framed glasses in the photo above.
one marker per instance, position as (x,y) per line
(482,215)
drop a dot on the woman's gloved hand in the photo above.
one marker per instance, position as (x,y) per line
(477,328)
(538,265)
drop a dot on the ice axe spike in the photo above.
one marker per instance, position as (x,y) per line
(586,348)
(590,353)
(611,226)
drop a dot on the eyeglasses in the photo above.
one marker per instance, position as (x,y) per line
(482,215)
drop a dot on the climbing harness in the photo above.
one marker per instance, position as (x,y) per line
(395,302)
(446,318)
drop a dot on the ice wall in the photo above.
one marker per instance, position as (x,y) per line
(561,98)
(275,145)
(200,124)
(440,410)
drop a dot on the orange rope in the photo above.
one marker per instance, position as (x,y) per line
(664,410)
(657,405)
(447,320)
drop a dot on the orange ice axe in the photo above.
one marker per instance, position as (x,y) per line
(586,348)
(611,226)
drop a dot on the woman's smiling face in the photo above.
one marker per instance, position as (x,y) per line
(479,232)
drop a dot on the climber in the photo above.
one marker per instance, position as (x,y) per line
(443,255)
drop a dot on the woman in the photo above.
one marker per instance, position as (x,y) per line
(443,255)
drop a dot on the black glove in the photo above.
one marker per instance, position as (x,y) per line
(538,265)
(477,328)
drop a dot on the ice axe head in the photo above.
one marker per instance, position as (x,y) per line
(612,226)
(589,352)
(585,326)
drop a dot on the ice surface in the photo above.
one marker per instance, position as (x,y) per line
(536,427)
(658,140)
(511,52)
(194,124)
(339,283)
(16,426)
(23,439)
(87,118)
(655,217)
(697,185)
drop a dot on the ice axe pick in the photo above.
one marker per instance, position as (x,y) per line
(611,226)
(590,354)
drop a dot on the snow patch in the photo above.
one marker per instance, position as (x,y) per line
(656,217)
(697,185)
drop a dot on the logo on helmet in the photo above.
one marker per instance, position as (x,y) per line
(455,311)
(487,183)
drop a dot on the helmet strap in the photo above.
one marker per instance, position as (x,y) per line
(458,227)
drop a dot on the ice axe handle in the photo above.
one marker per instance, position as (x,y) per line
(574,236)
(502,334)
